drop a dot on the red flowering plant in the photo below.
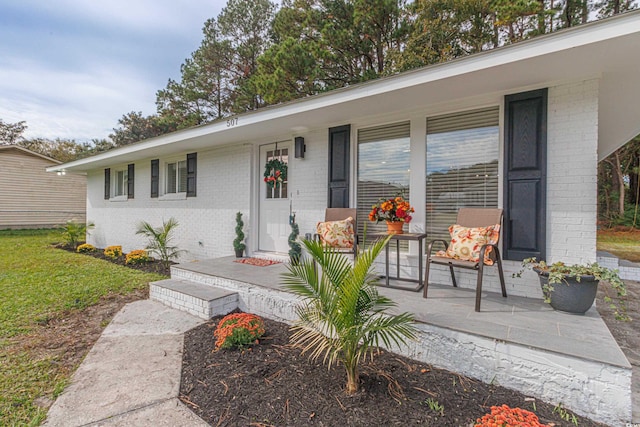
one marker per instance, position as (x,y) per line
(504,416)
(396,209)
(238,330)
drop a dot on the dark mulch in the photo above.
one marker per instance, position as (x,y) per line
(273,384)
(153,266)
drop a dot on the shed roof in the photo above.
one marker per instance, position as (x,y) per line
(29,152)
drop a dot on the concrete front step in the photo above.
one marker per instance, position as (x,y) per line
(194,298)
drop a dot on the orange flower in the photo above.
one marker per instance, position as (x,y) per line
(238,330)
(396,209)
(504,416)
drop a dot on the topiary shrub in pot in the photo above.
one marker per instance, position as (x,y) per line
(295,249)
(573,288)
(238,242)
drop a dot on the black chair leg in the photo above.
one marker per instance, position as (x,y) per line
(453,276)
(479,285)
(500,272)
(426,278)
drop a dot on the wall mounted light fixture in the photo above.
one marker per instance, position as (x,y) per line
(300,147)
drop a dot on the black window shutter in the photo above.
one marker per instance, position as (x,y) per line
(107,183)
(525,183)
(155,177)
(130,180)
(192,167)
(339,155)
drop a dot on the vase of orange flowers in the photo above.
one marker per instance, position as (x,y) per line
(396,211)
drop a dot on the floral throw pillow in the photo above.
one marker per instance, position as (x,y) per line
(337,234)
(466,242)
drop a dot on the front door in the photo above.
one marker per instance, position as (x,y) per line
(274,226)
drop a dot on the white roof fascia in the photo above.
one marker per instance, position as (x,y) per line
(583,35)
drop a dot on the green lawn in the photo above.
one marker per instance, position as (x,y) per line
(38,282)
(624,244)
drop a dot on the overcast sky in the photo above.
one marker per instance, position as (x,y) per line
(72,68)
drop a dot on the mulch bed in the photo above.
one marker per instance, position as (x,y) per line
(153,266)
(272,384)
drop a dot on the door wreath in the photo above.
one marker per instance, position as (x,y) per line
(275,172)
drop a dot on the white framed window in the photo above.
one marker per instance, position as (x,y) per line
(384,155)
(120,183)
(462,166)
(176,177)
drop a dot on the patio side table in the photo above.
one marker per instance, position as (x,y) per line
(410,237)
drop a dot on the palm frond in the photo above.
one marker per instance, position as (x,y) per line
(341,317)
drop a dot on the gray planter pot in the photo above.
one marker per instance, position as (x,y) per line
(239,253)
(570,295)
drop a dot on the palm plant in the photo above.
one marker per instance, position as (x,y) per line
(342,317)
(160,240)
(75,232)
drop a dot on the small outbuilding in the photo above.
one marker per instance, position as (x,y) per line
(32,198)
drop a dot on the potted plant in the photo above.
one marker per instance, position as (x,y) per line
(295,249)
(238,242)
(396,211)
(573,288)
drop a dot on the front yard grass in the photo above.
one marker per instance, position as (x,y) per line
(39,284)
(623,243)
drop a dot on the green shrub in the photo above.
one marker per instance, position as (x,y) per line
(342,317)
(75,232)
(238,242)
(160,240)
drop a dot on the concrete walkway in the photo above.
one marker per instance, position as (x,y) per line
(131,376)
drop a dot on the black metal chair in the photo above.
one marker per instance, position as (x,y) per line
(470,217)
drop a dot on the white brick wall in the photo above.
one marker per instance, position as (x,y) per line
(572,142)
(572,172)
(207,222)
(226,177)
(309,182)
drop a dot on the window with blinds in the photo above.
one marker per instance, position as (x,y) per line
(383,169)
(176,177)
(462,166)
(121,183)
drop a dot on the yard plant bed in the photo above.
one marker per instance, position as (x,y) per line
(272,384)
(152,266)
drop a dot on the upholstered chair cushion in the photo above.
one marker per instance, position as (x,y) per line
(466,242)
(337,234)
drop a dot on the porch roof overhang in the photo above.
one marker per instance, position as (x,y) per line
(608,50)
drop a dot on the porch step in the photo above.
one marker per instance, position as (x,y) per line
(194,298)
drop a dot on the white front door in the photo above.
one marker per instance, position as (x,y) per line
(274,226)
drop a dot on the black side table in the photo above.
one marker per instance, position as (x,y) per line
(411,237)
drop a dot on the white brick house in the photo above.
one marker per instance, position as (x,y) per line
(576,90)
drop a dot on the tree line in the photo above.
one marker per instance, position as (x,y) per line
(255,54)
